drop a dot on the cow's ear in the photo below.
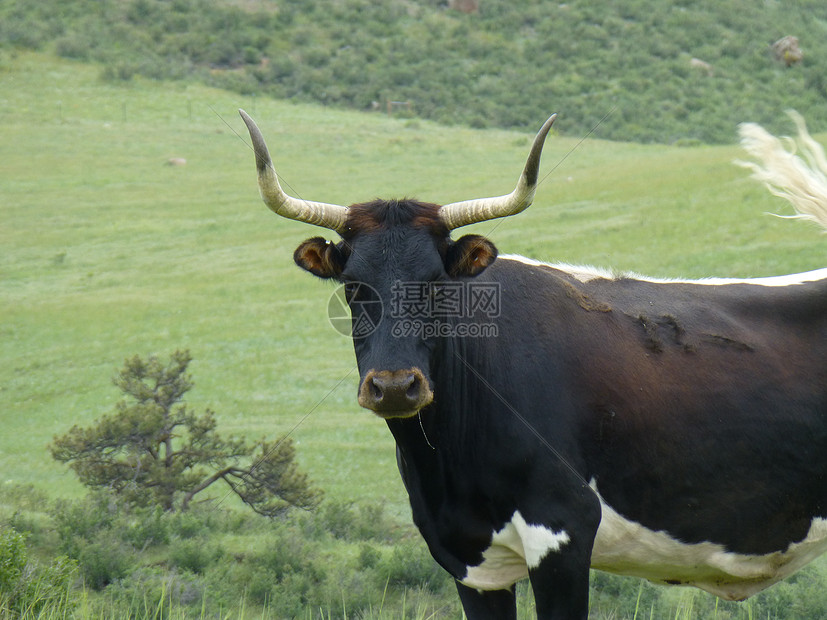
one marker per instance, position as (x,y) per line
(469,256)
(320,257)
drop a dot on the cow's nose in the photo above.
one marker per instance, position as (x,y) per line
(395,394)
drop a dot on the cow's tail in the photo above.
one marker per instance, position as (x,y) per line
(802,180)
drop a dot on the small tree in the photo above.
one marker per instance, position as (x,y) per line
(153,450)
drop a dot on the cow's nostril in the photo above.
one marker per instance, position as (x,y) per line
(399,393)
(413,391)
(375,391)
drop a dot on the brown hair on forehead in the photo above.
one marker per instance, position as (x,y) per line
(385,214)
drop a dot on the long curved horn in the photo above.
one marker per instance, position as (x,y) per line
(318,213)
(467,212)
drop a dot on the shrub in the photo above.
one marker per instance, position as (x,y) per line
(105,561)
(101,534)
(121,71)
(81,521)
(25,587)
(12,558)
(373,523)
(349,521)
(49,587)
(187,524)
(147,528)
(338,519)
(152,593)
(369,556)
(24,496)
(72,46)
(353,593)
(410,565)
(193,555)
(286,552)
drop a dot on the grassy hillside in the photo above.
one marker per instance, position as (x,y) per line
(507,66)
(108,252)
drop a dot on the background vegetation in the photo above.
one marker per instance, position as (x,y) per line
(153,451)
(108,252)
(510,65)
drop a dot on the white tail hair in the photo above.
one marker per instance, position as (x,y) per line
(803,182)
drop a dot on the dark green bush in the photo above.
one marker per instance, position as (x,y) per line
(348,521)
(101,533)
(24,496)
(27,588)
(119,71)
(285,573)
(410,565)
(13,558)
(79,522)
(194,555)
(369,556)
(338,518)
(287,552)
(187,524)
(153,593)
(343,561)
(105,561)
(354,592)
(27,504)
(73,46)
(147,527)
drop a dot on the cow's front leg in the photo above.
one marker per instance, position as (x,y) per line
(561,586)
(488,604)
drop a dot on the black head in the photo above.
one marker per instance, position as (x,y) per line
(394,257)
(400,254)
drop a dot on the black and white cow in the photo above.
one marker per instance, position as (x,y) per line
(549,419)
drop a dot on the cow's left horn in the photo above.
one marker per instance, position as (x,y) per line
(318,213)
(467,212)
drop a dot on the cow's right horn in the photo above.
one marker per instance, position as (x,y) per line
(330,216)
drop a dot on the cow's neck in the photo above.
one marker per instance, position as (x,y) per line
(453,422)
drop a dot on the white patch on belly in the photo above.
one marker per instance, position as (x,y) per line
(628,548)
(514,549)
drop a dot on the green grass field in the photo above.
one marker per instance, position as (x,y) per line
(106,252)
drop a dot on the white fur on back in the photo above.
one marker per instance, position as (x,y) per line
(586,273)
